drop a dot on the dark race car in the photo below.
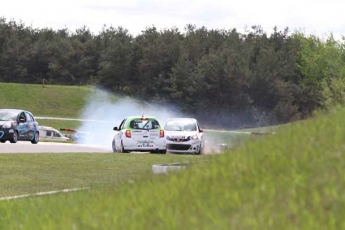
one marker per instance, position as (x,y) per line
(18,125)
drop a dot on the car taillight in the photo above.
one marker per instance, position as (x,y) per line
(128,133)
(161,133)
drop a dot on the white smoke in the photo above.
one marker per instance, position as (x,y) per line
(103,112)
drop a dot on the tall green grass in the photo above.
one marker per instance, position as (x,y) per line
(291,180)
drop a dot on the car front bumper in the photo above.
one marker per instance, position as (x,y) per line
(185,147)
(6,134)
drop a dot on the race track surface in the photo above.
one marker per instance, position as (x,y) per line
(50,147)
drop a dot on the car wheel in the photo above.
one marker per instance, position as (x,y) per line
(123,148)
(201,150)
(36,138)
(163,151)
(3,141)
(114,146)
(14,138)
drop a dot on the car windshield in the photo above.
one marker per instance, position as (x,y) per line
(7,116)
(144,124)
(180,125)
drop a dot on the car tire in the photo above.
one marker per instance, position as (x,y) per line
(163,151)
(3,141)
(113,145)
(201,150)
(14,138)
(36,138)
(123,148)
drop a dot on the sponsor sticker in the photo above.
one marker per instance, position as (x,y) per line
(11,131)
(145,145)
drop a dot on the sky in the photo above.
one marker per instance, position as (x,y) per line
(318,17)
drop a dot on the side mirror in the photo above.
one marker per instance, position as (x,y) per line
(201,130)
(115,129)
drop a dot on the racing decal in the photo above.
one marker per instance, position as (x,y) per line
(1,134)
(11,131)
(143,145)
(178,138)
(23,130)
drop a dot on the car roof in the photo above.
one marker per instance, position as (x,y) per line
(139,117)
(15,110)
(182,118)
(46,128)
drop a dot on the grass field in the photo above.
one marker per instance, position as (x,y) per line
(291,180)
(51,100)
(31,173)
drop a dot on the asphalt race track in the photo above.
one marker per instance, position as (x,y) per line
(50,147)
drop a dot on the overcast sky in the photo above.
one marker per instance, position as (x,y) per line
(317,17)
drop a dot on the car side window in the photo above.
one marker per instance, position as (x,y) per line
(124,124)
(28,117)
(155,124)
(22,117)
(121,126)
(198,126)
(55,134)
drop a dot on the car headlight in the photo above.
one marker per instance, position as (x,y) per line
(7,125)
(195,137)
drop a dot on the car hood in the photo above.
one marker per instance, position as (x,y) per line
(4,122)
(180,133)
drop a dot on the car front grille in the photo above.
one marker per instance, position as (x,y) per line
(178,139)
(178,147)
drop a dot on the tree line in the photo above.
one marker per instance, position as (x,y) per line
(222,77)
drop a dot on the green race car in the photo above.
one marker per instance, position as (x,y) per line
(139,133)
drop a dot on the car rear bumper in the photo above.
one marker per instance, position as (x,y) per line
(153,145)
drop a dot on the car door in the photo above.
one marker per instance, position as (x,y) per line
(118,136)
(31,125)
(23,127)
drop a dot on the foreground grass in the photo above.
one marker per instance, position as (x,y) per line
(31,173)
(292,180)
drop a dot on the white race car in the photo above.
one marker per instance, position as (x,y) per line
(137,133)
(184,135)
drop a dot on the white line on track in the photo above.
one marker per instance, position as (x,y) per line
(41,193)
